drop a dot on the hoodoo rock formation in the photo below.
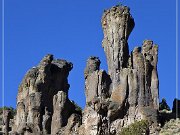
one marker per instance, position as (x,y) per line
(43,106)
(129,92)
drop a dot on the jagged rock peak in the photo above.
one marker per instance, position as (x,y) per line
(43,106)
(47,59)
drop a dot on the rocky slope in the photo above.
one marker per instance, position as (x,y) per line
(129,92)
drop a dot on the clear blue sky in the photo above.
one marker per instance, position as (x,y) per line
(71,29)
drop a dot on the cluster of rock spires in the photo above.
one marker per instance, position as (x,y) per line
(127,93)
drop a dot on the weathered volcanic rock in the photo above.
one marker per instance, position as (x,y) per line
(97,93)
(63,108)
(117,25)
(136,95)
(43,106)
(96,81)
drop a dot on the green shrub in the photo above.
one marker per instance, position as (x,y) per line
(136,128)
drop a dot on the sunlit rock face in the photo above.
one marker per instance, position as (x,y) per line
(128,92)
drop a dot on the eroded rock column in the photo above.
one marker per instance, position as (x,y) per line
(43,106)
(117,24)
(97,83)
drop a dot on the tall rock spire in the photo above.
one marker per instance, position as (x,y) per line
(117,24)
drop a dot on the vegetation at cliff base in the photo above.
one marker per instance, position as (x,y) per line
(137,128)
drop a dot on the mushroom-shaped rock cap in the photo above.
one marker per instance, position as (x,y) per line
(121,16)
